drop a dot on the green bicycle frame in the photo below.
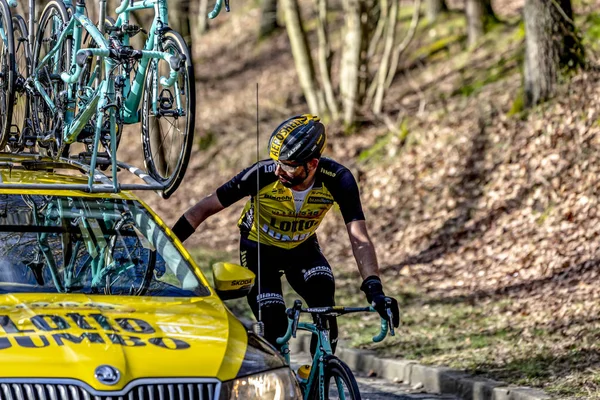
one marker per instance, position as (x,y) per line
(134,90)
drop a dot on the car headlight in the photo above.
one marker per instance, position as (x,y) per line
(277,384)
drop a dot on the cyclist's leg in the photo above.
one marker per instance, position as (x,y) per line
(311,276)
(271,295)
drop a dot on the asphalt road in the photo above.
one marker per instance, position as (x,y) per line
(379,389)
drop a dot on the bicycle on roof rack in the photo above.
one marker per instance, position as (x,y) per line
(329,377)
(72,99)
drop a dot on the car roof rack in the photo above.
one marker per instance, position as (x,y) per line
(98,182)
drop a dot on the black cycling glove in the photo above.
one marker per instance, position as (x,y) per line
(374,291)
(183,229)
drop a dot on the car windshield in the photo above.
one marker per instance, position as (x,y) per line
(57,244)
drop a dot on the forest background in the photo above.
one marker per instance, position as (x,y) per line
(473,128)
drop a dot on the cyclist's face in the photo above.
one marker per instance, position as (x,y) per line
(290,174)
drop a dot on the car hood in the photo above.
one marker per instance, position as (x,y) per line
(70,335)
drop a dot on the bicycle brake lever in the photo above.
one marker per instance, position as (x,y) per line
(390,321)
(295,324)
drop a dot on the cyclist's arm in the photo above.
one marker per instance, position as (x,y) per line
(206,207)
(362,248)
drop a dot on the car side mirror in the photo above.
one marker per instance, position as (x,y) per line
(232,281)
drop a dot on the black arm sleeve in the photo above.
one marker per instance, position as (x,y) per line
(345,192)
(244,183)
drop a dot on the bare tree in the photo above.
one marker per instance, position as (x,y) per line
(551,46)
(202,17)
(179,19)
(268,18)
(301,52)
(358,17)
(435,8)
(479,15)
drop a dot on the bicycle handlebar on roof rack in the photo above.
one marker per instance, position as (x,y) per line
(100,183)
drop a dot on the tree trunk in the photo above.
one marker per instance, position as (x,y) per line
(300,51)
(550,45)
(381,76)
(353,67)
(268,18)
(478,13)
(202,17)
(179,19)
(324,60)
(435,8)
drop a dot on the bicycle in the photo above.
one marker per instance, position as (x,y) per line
(326,367)
(67,98)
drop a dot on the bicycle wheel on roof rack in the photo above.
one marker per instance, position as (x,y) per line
(21,112)
(7,73)
(168,117)
(48,123)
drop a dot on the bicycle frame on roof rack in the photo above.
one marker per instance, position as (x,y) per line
(134,90)
(100,184)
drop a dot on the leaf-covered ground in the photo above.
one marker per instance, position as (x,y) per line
(485,219)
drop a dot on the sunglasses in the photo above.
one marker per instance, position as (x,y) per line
(290,169)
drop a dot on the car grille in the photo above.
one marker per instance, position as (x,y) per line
(73,390)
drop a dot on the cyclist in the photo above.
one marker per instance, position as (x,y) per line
(295,189)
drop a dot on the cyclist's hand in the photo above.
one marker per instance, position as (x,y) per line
(374,292)
(183,229)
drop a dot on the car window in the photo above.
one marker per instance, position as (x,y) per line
(88,245)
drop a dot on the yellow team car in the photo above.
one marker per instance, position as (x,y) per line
(98,298)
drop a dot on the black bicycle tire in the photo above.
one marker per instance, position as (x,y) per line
(19,25)
(68,44)
(171,183)
(334,366)
(149,270)
(6,118)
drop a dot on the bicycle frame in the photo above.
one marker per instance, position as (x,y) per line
(317,371)
(134,91)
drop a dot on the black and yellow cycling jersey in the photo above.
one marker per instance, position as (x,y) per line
(280,224)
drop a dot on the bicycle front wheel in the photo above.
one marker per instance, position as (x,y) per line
(168,117)
(7,73)
(339,380)
(21,101)
(46,121)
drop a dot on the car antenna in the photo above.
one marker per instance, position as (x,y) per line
(259,326)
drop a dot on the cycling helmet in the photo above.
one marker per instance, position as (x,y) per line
(298,139)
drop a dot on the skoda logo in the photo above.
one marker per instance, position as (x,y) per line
(107,375)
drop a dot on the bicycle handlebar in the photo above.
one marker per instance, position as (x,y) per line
(217,9)
(294,315)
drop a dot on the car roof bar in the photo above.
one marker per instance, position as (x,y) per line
(101,182)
